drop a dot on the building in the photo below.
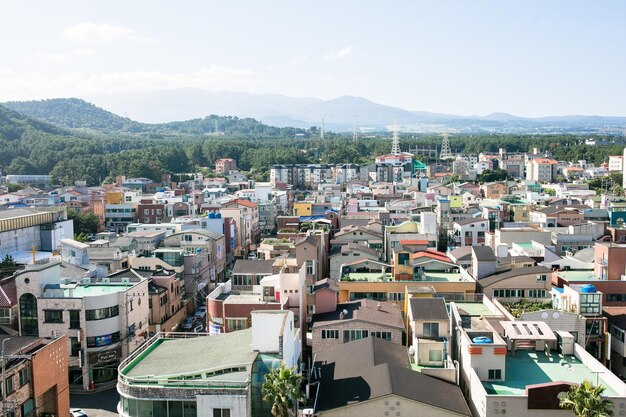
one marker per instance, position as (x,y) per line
(372,377)
(36,380)
(356,320)
(525,375)
(43,229)
(104,319)
(616,163)
(541,170)
(225,165)
(220,376)
(469,232)
(428,331)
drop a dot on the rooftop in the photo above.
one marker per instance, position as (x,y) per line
(529,368)
(80,291)
(474,309)
(203,355)
(573,276)
(388,277)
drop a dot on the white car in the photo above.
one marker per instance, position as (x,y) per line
(77,412)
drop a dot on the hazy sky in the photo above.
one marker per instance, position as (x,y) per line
(529,58)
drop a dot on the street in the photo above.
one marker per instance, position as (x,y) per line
(100,404)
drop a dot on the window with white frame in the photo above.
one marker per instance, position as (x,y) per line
(435,355)
(330,334)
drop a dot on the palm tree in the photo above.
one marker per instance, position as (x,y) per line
(282,388)
(585,400)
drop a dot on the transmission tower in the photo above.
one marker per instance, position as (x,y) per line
(395,144)
(355,131)
(445,153)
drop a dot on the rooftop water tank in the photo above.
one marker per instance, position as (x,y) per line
(218,216)
(588,288)
(482,339)
(212,215)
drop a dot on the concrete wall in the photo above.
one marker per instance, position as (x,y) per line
(391,405)
(239,405)
(50,378)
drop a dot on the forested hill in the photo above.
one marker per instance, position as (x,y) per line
(74,113)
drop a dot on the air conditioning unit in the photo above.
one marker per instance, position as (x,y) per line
(308,412)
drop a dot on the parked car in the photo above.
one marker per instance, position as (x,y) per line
(252,256)
(77,412)
(200,312)
(189,323)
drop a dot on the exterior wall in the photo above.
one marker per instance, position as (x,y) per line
(321,344)
(568,322)
(337,260)
(348,287)
(325,300)
(522,282)
(610,260)
(388,405)
(50,378)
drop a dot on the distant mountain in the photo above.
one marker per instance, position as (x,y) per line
(75,113)
(187,110)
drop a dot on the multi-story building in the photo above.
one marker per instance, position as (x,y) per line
(150,211)
(117,217)
(35,376)
(541,170)
(43,229)
(225,165)
(356,320)
(104,319)
(616,163)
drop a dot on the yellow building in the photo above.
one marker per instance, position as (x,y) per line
(114,197)
(456,201)
(382,287)
(302,209)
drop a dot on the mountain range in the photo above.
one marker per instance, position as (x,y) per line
(340,114)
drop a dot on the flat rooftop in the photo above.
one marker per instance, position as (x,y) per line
(244,298)
(530,367)
(81,290)
(573,276)
(474,309)
(387,277)
(201,354)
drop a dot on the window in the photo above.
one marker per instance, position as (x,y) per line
(74,319)
(617,333)
(508,293)
(542,278)
(435,355)
(495,374)
(382,335)
(395,296)
(102,313)
(590,304)
(310,267)
(75,346)
(24,376)
(221,412)
(53,316)
(8,384)
(236,324)
(350,335)
(536,293)
(431,330)
(330,334)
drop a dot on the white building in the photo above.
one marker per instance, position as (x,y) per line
(105,319)
(616,163)
(220,376)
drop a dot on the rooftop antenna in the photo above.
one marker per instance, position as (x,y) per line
(395,144)
(322,130)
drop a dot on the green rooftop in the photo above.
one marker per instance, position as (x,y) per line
(530,368)
(574,276)
(91,290)
(225,357)
(475,309)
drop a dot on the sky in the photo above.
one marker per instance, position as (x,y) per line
(528,58)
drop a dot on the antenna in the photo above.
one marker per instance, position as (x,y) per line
(395,144)
(322,130)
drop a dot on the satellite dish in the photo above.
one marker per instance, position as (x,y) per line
(556,315)
(544,315)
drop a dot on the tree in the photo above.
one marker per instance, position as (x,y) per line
(493,175)
(585,400)
(87,223)
(282,388)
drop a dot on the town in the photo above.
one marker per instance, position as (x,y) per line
(457,285)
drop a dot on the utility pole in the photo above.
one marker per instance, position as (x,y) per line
(4,378)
